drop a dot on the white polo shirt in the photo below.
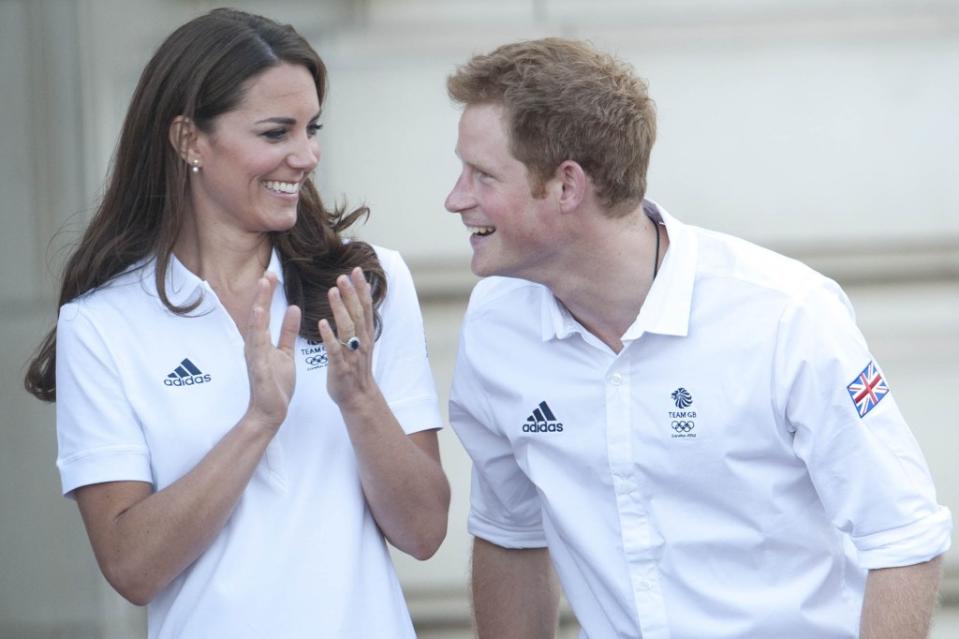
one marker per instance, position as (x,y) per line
(713,479)
(143,394)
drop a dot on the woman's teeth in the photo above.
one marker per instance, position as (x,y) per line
(481,230)
(282,187)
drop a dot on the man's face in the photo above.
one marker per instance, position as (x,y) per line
(510,229)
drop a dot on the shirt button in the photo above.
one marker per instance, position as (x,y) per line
(644,585)
(615,379)
(626,487)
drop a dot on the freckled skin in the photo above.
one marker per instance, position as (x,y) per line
(493,190)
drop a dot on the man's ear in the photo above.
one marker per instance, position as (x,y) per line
(573,183)
(183,136)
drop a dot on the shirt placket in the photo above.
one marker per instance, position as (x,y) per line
(634,521)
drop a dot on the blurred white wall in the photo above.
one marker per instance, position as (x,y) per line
(824,129)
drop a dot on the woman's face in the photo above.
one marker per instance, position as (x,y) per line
(257,157)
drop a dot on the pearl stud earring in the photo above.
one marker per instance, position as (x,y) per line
(196,166)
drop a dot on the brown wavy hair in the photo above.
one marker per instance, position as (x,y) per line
(563,100)
(200,72)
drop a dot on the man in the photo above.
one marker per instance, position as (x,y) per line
(689,428)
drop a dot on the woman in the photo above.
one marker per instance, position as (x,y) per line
(241,489)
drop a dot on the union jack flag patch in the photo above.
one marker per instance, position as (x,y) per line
(867,389)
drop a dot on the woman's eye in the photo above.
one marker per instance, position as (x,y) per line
(274,134)
(312,129)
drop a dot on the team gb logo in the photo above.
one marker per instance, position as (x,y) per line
(682,398)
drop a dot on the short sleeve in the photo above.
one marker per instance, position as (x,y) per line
(401,366)
(505,506)
(862,458)
(98,434)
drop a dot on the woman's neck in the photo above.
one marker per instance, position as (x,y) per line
(226,258)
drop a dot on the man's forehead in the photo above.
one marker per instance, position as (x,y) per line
(484,111)
(482,126)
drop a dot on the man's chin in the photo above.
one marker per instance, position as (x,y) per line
(482,266)
(481,270)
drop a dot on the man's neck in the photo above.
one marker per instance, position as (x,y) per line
(607,279)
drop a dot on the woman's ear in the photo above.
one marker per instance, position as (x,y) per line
(183,136)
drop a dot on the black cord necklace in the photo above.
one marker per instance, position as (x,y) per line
(656,259)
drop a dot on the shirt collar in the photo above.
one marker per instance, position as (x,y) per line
(666,308)
(556,320)
(183,285)
(668,303)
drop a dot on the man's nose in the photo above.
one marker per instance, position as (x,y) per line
(459,199)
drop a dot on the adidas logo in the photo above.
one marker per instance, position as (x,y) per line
(542,420)
(186,374)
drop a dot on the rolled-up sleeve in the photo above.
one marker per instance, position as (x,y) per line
(99,436)
(862,458)
(504,504)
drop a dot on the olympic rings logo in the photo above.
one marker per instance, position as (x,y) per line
(683,426)
(317,360)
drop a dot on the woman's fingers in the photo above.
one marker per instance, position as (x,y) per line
(350,375)
(333,346)
(351,299)
(289,330)
(346,327)
(363,292)
(271,370)
(257,328)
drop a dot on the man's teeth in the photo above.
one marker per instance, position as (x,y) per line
(282,187)
(481,230)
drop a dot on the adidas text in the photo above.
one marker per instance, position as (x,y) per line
(187,381)
(543,427)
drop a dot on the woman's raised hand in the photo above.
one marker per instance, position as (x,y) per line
(271,369)
(350,374)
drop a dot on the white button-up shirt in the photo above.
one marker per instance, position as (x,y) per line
(732,472)
(143,394)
